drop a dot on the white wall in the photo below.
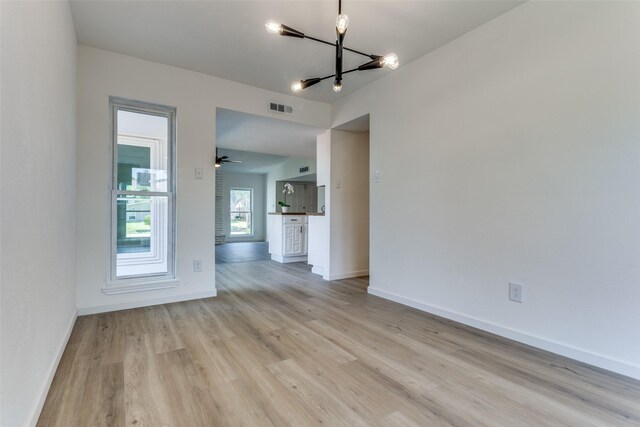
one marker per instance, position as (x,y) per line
(37,194)
(196,97)
(515,149)
(349,215)
(246,180)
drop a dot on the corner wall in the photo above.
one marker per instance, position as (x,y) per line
(37,195)
(515,150)
(339,239)
(349,215)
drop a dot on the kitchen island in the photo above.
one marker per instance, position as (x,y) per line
(289,236)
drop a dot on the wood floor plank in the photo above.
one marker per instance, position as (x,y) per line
(161,329)
(280,346)
(148,401)
(103,400)
(398,419)
(327,407)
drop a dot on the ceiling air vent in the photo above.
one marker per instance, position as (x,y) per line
(304,169)
(280,108)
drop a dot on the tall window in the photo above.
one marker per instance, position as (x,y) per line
(241,211)
(143,191)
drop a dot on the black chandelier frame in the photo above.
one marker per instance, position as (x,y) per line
(376,61)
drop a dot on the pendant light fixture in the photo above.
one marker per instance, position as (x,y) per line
(389,60)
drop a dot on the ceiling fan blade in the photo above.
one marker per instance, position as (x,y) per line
(224,157)
(233,161)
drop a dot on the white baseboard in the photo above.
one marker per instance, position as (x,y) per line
(83,311)
(116,288)
(317,270)
(52,371)
(288,259)
(349,275)
(584,356)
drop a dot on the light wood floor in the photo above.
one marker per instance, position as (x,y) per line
(281,347)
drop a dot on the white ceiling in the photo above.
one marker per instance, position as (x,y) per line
(251,162)
(247,132)
(227,38)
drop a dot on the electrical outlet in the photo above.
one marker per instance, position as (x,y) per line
(376,176)
(197,265)
(199,173)
(515,292)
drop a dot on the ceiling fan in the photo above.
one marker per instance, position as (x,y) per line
(224,159)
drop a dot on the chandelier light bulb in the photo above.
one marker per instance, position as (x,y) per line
(390,60)
(296,86)
(337,86)
(273,27)
(342,22)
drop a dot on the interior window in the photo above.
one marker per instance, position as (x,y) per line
(241,211)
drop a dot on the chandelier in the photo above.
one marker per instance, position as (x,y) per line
(342,22)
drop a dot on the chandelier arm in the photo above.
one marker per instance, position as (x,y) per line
(319,79)
(343,47)
(343,73)
(320,41)
(360,53)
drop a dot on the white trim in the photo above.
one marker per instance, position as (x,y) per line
(52,371)
(167,221)
(95,309)
(124,288)
(250,212)
(349,275)
(287,259)
(600,361)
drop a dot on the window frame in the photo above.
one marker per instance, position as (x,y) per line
(145,281)
(250,212)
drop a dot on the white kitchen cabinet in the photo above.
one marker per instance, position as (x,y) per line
(295,239)
(288,238)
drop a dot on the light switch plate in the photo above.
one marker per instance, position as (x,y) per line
(199,173)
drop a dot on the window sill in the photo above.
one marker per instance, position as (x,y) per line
(115,288)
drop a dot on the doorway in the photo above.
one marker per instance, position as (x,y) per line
(256,156)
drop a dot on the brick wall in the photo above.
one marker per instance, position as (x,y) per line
(220,236)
